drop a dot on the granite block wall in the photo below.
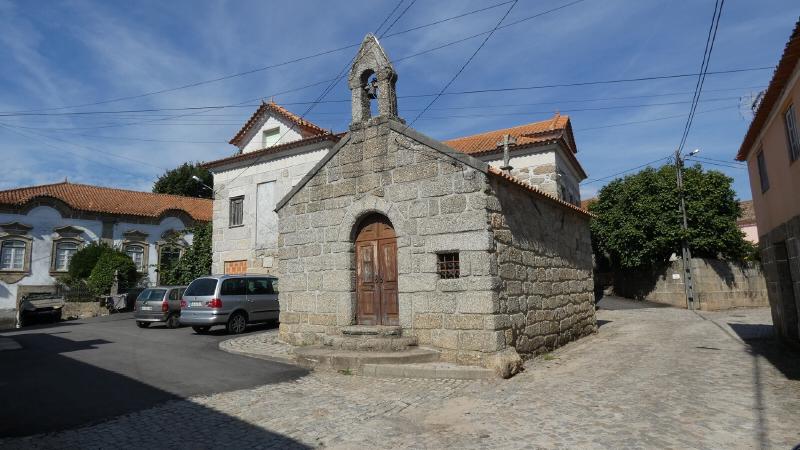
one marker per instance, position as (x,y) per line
(544,261)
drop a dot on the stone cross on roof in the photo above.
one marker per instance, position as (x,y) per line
(371,61)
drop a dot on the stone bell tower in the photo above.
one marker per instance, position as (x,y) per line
(372,77)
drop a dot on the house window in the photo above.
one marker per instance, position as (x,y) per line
(136,253)
(270,137)
(762,171)
(63,255)
(792,133)
(236,212)
(12,255)
(169,256)
(447,265)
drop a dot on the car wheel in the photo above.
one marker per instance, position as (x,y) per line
(201,329)
(57,316)
(236,324)
(142,324)
(173,321)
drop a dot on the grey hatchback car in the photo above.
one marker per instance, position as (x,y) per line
(158,304)
(230,300)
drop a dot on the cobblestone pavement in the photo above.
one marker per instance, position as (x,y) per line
(650,378)
(264,345)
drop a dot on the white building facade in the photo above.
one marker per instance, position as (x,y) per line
(42,227)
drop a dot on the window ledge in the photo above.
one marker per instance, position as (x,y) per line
(236,226)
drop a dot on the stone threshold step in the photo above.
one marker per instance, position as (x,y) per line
(433,370)
(372,330)
(328,358)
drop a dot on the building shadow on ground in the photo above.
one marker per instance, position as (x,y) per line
(761,341)
(73,394)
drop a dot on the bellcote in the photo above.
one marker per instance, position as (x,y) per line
(372,77)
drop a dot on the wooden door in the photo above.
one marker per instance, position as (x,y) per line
(376,273)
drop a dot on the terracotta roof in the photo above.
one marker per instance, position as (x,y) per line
(272,150)
(748,213)
(585,203)
(105,200)
(791,55)
(533,189)
(532,133)
(280,111)
(557,129)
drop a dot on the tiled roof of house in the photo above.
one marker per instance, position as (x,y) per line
(532,133)
(585,203)
(748,213)
(105,200)
(537,133)
(272,150)
(789,60)
(279,110)
(534,190)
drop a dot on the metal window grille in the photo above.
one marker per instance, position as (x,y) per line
(237,211)
(792,133)
(448,265)
(762,171)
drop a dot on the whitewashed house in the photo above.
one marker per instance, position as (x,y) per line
(42,227)
(276,148)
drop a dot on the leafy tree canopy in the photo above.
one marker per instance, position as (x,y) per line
(195,261)
(638,223)
(179,181)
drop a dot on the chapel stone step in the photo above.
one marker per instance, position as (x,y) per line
(372,330)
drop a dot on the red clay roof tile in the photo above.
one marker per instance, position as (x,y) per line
(105,200)
(279,110)
(789,60)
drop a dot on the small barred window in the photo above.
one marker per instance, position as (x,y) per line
(447,265)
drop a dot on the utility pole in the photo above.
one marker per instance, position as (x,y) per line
(688,281)
(507,140)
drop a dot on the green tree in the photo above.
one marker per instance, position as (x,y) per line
(638,221)
(179,181)
(195,261)
(112,262)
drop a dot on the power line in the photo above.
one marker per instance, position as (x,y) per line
(61,149)
(327,90)
(636,122)
(595,180)
(702,160)
(740,163)
(464,66)
(712,35)
(271,66)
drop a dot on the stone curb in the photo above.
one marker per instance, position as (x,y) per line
(427,371)
(273,358)
(421,370)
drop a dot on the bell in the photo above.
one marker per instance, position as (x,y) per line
(372,89)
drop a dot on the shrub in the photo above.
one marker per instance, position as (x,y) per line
(110,262)
(84,260)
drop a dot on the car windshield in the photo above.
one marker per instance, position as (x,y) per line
(152,294)
(202,286)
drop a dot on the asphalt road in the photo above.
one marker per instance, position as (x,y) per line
(77,373)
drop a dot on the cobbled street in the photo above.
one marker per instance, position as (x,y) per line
(651,377)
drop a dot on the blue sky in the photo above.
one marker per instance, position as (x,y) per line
(63,54)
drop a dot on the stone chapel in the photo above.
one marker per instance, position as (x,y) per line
(395,234)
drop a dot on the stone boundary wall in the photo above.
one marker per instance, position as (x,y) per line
(718,285)
(544,259)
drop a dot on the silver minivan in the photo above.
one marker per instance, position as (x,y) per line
(230,300)
(158,304)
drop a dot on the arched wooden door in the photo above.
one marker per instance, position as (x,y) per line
(376,272)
